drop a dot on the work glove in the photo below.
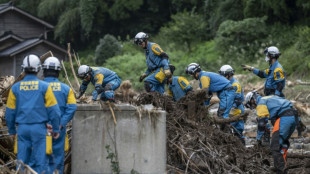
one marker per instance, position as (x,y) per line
(247,67)
(142,77)
(79,95)
(167,73)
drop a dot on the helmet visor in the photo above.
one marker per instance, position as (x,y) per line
(83,76)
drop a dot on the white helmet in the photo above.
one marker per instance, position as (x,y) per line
(192,68)
(83,71)
(140,37)
(271,53)
(248,98)
(52,63)
(226,70)
(31,63)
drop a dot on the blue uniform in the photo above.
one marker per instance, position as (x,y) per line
(155,63)
(179,87)
(105,81)
(238,107)
(66,101)
(276,109)
(275,79)
(225,91)
(31,104)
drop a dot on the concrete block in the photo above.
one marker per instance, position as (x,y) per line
(138,139)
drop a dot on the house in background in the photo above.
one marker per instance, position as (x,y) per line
(21,34)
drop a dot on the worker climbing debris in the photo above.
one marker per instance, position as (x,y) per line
(211,82)
(104,80)
(284,119)
(157,63)
(228,72)
(178,86)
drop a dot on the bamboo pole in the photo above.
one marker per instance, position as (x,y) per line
(66,76)
(71,64)
(76,59)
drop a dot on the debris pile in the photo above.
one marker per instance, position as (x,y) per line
(195,144)
(125,93)
(5,82)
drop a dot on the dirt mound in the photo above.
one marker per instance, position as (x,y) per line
(195,144)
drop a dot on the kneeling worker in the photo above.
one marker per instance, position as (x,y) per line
(104,80)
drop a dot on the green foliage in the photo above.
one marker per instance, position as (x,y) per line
(254,8)
(218,11)
(87,10)
(282,9)
(28,5)
(181,5)
(239,41)
(128,67)
(108,47)
(51,10)
(296,59)
(113,159)
(133,172)
(68,25)
(185,27)
(121,9)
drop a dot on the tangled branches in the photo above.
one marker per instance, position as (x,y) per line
(196,145)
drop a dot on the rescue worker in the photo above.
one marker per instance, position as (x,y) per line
(104,80)
(275,75)
(212,82)
(66,101)
(156,61)
(31,104)
(177,86)
(238,126)
(284,119)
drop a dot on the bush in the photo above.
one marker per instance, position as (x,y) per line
(239,41)
(128,67)
(107,48)
(186,27)
(296,59)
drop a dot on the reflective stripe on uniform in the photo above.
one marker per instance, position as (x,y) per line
(238,87)
(278,74)
(71,97)
(156,49)
(11,103)
(205,82)
(262,111)
(50,99)
(183,82)
(99,78)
